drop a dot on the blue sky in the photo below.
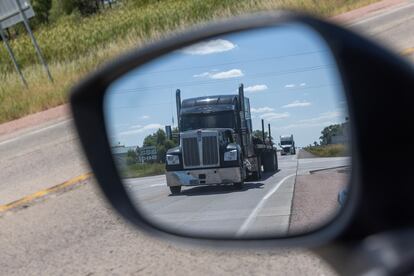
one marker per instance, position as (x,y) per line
(287,71)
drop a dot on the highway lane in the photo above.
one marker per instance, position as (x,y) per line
(38,158)
(259,208)
(393,28)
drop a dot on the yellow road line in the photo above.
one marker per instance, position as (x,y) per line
(42,193)
(407,51)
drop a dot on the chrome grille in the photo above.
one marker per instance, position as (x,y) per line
(210,153)
(200,149)
(190,152)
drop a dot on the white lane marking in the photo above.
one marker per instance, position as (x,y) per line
(242,230)
(157,185)
(33,132)
(381,14)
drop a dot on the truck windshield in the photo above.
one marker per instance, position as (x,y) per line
(209,120)
(285,142)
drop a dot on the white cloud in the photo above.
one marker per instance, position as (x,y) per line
(145,117)
(271,116)
(205,74)
(256,88)
(293,85)
(261,109)
(209,47)
(297,104)
(138,129)
(233,73)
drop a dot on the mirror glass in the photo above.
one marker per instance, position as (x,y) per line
(241,135)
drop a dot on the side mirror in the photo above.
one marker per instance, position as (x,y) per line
(208,194)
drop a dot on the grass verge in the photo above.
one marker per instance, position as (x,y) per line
(328,150)
(74,46)
(140,170)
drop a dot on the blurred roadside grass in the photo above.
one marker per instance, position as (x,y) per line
(338,150)
(76,45)
(140,170)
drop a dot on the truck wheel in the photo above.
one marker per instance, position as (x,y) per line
(270,162)
(238,185)
(175,190)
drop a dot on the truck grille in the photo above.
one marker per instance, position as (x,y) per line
(191,146)
(210,154)
(190,152)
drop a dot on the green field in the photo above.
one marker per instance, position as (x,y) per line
(140,170)
(75,45)
(328,150)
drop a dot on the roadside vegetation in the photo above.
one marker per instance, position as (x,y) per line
(134,166)
(76,41)
(326,146)
(338,150)
(141,170)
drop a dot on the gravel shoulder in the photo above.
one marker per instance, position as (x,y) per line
(315,199)
(305,154)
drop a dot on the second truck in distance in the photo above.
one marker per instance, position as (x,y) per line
(217,145)
(287,144)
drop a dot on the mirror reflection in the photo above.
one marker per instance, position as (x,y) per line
(240,135)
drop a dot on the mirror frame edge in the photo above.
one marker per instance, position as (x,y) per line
(87,103)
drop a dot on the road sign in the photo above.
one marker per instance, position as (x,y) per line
(146,154)
(10,14)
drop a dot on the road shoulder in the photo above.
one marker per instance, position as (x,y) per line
(367,11)
(34,120)
(315,199)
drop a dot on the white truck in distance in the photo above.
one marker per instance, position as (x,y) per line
(287,144)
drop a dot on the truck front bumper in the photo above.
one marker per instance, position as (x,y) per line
(204,177)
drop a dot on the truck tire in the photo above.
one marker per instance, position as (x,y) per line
(270,162)
(238,185)
(175,190)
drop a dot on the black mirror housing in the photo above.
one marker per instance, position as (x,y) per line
(369,73)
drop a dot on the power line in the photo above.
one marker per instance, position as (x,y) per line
(197,83)
(232,62)
(259,94)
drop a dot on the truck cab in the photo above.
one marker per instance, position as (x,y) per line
(287,145)
(216,144)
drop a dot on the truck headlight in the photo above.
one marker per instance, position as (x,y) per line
(230,155)
(173,159)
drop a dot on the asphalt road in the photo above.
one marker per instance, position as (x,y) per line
(259,208)
(76,233)
(38,158)
(392,28)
